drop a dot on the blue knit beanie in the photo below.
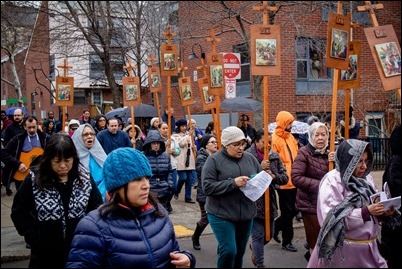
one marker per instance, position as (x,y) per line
(123,165)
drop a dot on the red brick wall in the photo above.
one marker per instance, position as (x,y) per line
(195,24)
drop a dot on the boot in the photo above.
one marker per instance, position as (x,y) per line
(196,237)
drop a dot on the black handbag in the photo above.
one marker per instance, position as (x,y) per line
(188,155)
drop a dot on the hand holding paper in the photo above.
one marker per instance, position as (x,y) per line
(256,186)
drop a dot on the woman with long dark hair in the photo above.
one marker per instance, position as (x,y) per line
(51,201)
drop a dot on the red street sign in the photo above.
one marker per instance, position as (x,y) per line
(231,65)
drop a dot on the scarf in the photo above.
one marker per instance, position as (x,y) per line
(332,232)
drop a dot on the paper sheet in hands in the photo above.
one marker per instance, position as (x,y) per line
(256,186)
(384,197)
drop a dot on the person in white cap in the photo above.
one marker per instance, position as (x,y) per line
(230,213)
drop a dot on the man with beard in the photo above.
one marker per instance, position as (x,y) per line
(16,127)
(20,152)
(113,138)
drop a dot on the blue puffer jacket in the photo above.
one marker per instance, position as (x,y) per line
(124,239)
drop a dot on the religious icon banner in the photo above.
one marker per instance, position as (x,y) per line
(208,100)
(337,41)
(386,51)
(265,49)
(216,78)
(350,78)
(169,60)
(154,79)
(186,91)
(64,91)
(131,91)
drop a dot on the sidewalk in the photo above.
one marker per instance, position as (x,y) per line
(184,218)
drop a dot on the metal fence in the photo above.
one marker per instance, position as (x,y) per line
(382,152)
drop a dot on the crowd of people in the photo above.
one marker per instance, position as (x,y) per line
(79,191)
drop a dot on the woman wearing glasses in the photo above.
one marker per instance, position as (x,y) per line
(230,212)
(91,154)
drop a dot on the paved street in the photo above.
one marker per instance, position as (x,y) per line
(184,217)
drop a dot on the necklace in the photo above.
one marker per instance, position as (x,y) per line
(64,181)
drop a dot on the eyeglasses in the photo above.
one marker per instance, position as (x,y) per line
(212,142)
(239,144)
(88,134)
(102,120)
(361,162)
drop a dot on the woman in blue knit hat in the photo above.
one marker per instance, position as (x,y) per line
(131,230)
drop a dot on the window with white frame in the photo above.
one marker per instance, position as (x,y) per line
(243,88)
(374,124)
(312,76)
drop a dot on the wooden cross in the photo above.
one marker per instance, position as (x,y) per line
(213,40)
(169,34)
(370,8)
(265,8)
(130,68)
(182,68)
(151,59)
(65,67)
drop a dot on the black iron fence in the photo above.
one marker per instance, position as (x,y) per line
(382,151)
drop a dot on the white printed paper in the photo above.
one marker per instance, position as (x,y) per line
(256,186)
(383,197)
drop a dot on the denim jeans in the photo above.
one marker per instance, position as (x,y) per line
(174,179)
(232,237)
(184,177)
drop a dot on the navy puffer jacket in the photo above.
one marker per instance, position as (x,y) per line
(124,239)
(308,169)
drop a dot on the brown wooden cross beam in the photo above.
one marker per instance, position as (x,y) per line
(370,8)
(169,34)
(265,8)
(213,40)
(65,67)
(130,68)
(151,59)
(182,68)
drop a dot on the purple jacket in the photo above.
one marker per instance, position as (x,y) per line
(308,169)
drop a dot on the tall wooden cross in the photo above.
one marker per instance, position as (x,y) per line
(370,8)
(216,113)
(265,9)
(151,63)
(182,70)
(130,68)
(65,67)
(169,34)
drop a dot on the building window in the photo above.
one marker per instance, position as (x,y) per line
(52,68)
(79,97)
(374,124)
(312,77)
(243,88)
(361,18)
(97,69)
(97,97)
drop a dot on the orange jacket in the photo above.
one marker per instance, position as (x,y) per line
(280,138)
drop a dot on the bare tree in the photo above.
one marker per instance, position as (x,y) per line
(16,29)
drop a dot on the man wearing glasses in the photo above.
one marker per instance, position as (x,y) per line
(16,127)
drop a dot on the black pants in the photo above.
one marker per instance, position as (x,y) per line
(287,200)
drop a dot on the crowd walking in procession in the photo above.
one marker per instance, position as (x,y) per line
(149,185)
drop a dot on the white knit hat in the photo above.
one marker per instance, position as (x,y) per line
(231,134)
(153,121)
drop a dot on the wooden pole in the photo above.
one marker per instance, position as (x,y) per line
(65,68)
(152,60)
(265,8)
(334,103)
(217,116)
